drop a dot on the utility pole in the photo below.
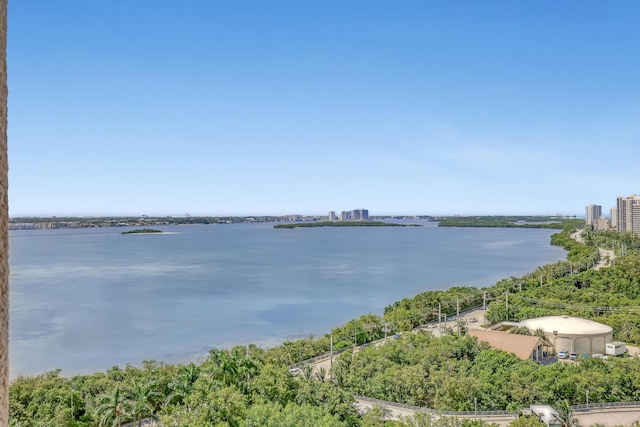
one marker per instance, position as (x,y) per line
(458,314)
(385,330)
(507,304)
(484,301)
(439,318)
(331,352)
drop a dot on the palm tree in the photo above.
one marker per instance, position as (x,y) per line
(183,385)
(247,369)
(321,375)
(140,398)
(307,372)
(113,409)
(565,414)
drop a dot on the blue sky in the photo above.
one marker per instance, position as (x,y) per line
(276,107)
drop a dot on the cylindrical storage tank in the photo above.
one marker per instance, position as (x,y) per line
(572,334)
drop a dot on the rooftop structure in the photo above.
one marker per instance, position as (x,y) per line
(523,346)
(572,334)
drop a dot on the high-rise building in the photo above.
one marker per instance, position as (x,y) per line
(345,216)
(602,224)
(614,218)
(360,214)
(332,215)
(593,213)
(629,214)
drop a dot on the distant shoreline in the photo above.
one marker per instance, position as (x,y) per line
(344,224)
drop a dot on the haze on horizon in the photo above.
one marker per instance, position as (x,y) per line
(270,108)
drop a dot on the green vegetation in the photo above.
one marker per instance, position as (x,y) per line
(252,386)
(343,224)
(510,222)
(142,231)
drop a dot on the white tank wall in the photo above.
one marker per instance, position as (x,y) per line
(563,344)
(582,346)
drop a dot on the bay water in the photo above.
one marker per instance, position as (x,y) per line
(84,300)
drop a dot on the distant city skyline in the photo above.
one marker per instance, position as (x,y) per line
(624,217)
(259,108)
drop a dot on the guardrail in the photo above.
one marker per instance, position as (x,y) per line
(578,408)
(437,411)
(604,405)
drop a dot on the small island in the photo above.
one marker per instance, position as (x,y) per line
(344,224)
(142,231)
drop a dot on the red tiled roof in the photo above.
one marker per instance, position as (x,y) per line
(520,345)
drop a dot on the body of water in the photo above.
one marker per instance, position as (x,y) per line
(84,300)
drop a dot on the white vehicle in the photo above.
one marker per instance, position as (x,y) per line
(615,348)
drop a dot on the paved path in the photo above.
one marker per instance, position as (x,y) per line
(608,417)
(397,412)
(606,256)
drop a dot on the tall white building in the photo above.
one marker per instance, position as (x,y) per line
(593,213)
(629,214)
(332,215)
(360,214)
(614,218)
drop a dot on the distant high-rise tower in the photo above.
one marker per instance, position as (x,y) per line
(629,214)
(614,218)
(360,214)
(332,215)
(345,216)
(602,224)
(593,213)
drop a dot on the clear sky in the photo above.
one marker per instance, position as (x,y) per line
(131,107)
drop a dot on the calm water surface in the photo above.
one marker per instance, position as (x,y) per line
(84,300)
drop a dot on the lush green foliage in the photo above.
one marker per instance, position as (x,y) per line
(230,388)
(510,222)
(142,231)
(458,373)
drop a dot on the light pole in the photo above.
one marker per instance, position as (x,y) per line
(386,329)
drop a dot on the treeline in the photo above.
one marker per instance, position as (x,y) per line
(509,222)
(231,388)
